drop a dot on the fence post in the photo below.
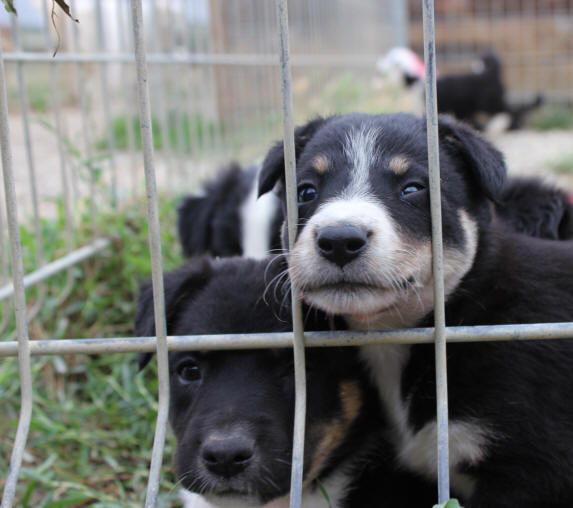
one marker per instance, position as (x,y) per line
(437,253)
(19,299)
(292,221)
(156,259)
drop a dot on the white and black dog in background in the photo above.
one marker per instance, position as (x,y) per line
(363,253)
(232,411)
(228,218)
(477,97)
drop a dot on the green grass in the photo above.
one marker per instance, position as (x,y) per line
(181,129)
(551,117)
(93,420)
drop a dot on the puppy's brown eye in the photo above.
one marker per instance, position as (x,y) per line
(188,372)
(411,188)
(306,192)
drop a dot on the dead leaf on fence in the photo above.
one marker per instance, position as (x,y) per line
(66,8)
(9,6)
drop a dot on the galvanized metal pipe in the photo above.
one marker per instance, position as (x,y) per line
(155,251)
(67,261)
(68,221)
(292,223)
(457,334)
(19,300)
(81,84)
(233,59)
(24,107)
(437,253)
(158,85)
(128,93)
(105,99)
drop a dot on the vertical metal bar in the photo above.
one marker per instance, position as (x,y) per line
(105,100)
(19,300)
(176,98)
(155,250)
(24,108)
(193,104)
(400,36)
(84,110)
(292,221)
(160,85)
(4,276)
(207,46)
(126,72)
(437,252)
(55,90)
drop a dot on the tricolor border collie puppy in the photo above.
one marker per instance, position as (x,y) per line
(228,219)
(232,411)
(363,253)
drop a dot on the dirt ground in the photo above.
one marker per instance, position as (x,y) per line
(532,153)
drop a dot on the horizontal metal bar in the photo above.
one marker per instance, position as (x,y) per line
(455,334)
(57,266)
(255,60)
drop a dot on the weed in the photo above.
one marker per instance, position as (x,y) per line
(552,117)
(181,130)
(94,416)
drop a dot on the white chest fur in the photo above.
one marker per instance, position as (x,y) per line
(417,450)
(335,486)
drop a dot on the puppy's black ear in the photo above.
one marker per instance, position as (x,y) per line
(484,162)
(194,223)
(273,166)
(180,287)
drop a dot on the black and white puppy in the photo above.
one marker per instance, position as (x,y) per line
(363,252)
(232,411)
(477,97)
(228,219)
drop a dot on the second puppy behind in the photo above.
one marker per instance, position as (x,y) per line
(232,411)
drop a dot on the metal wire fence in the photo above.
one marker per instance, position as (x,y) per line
(198,129)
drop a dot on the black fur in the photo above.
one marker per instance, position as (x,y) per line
(252,392)
(518,392)
(211,223)
(530,206)
(467,96)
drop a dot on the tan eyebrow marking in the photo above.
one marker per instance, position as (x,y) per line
(399,164)
(320,163)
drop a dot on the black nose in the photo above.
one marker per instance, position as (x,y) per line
(227,455)
(341,244)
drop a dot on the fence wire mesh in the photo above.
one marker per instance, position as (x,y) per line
(211,94)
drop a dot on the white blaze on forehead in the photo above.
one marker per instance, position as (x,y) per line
(360,151)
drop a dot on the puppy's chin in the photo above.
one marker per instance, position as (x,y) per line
(359,302)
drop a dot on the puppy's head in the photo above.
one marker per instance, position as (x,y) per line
(363,247)
(232,411)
